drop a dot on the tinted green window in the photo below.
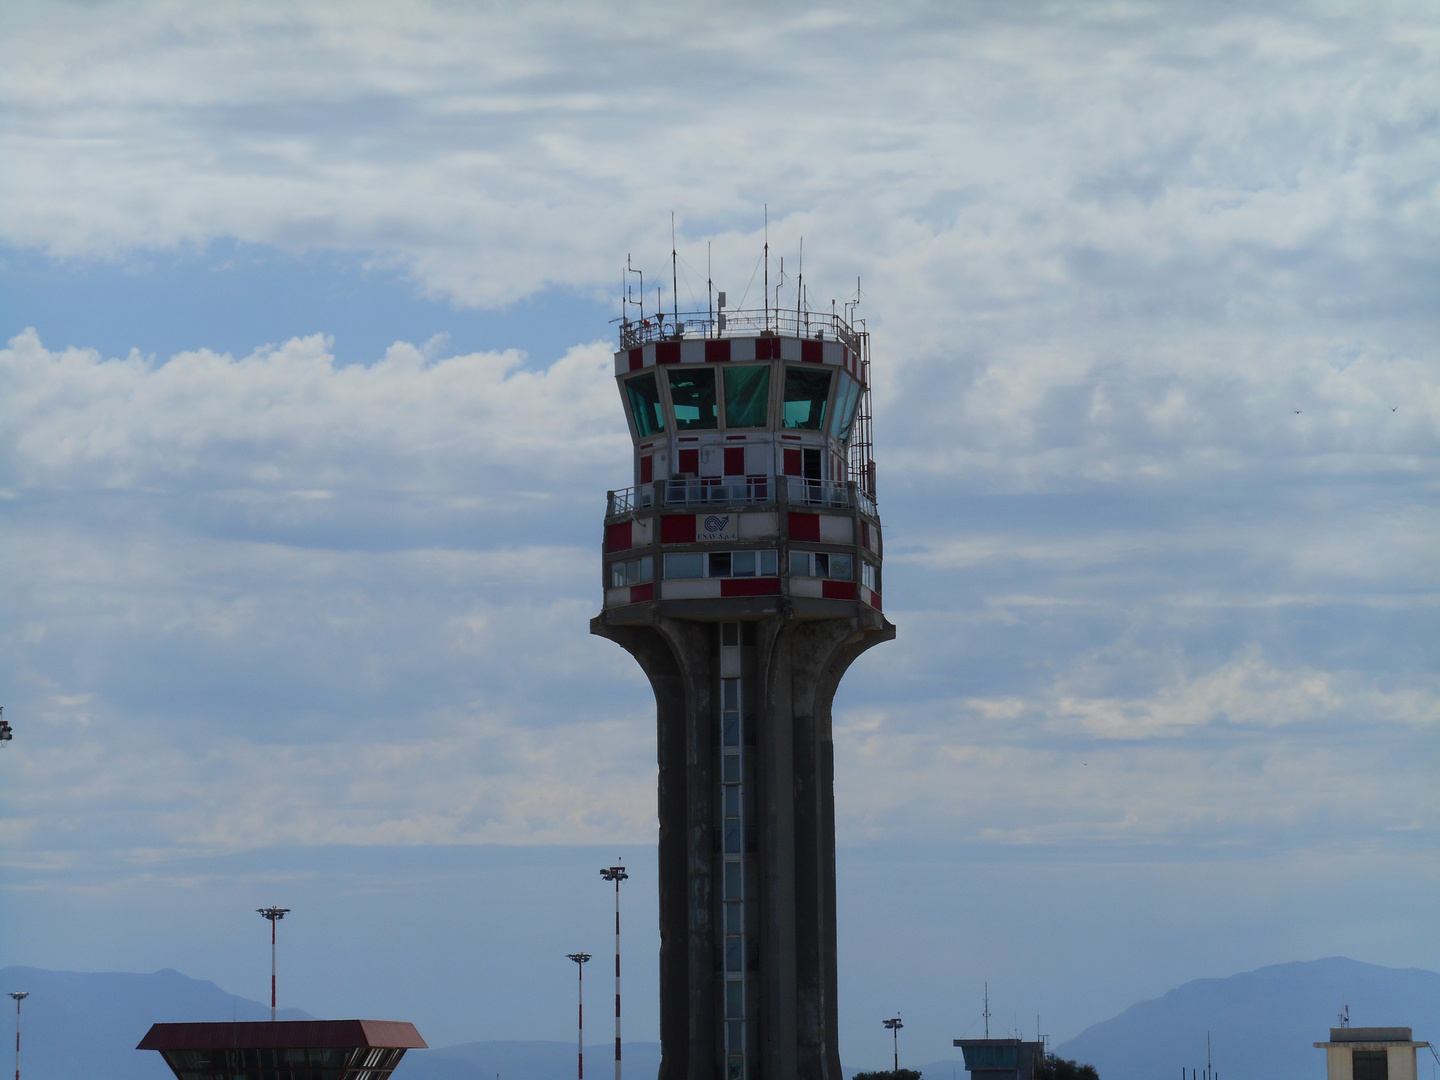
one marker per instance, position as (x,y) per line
(644,398)
(805,396)
(845,400)
(747,396)
(692,393)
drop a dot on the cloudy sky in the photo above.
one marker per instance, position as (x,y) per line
(306,422)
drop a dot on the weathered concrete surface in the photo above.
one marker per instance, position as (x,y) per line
(799,664)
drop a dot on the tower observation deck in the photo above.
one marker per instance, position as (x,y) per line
(742,570)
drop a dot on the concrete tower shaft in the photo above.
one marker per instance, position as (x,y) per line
(742,571)
(786,965)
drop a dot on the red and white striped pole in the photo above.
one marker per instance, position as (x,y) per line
(580,958)
(19,996)
(274,914)
(616,874)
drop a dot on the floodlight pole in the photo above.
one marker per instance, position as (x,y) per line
(580,959)
(19,996)
(895,1025)
(616,874)
(274,914)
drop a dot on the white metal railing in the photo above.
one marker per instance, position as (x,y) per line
(817,492)
(714,491)
(701,491)
(751,322)
(628,500)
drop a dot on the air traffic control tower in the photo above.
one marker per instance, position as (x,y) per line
(742,571)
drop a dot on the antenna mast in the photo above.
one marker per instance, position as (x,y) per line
(674,277)
(767,266)
(800,285)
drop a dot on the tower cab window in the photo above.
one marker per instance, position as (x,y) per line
(692,393)
(644,400)
(806,393)
(845,399)
(747,396)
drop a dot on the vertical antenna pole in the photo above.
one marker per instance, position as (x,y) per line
(709,284)
(767,266)
(800,285)
(674,275)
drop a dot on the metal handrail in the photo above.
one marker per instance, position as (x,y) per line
(703,492)
(817,492)
(714,491)
(815,325)
(628,500)
(866,502)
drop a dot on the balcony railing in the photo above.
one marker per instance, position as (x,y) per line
(817,492)
(628,500)
(695,325)
(708,491)
(703,491)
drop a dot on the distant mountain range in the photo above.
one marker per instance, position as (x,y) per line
(1262,1024)
(87,1023)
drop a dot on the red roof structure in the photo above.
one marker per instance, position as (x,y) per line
(284,1049)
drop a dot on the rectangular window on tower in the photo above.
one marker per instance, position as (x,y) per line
(692,393)
(631,572)
(845,399)
(870,576)
(806,394)
(747,396)
(644,400)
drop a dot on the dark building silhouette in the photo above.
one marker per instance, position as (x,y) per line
(283,1049)
(1001,1059)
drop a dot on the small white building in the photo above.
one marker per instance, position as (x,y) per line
(1360,1053)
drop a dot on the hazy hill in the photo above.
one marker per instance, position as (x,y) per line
(87,1023)
(1262,1023)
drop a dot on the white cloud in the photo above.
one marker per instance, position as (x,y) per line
(1108,251)
(286,421)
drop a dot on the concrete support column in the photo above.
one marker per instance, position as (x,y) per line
(799,666)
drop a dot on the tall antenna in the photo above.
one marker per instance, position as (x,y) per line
(800,285)
(674,276)
(767,266)
(709,284)
(986,1013)
(632,270)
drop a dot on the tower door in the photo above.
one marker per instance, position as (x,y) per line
(812,464)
